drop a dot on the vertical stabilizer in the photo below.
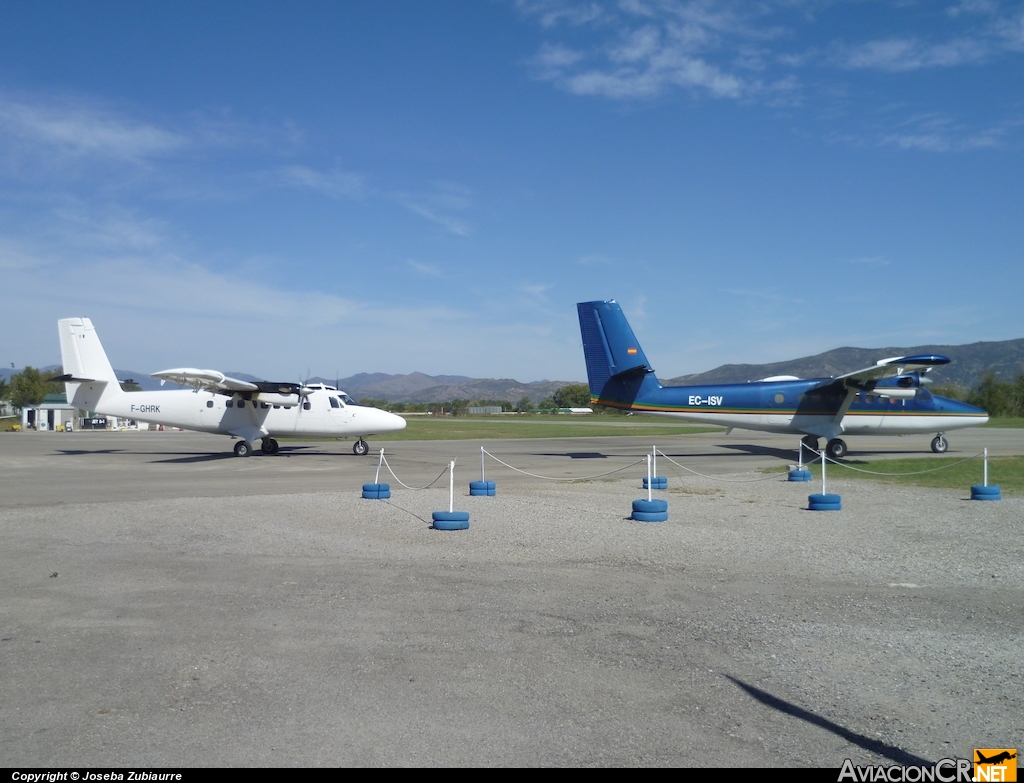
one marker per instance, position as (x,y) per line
(86,362)
(609,345)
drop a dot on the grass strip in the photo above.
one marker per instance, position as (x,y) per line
(1006,472)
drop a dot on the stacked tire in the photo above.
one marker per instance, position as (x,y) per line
(657,482)
(376,491)
(985,492)
(483,488)
(800,474)
(826,502)
(450,520)
(649,510)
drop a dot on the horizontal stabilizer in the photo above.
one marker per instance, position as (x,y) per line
(68,378)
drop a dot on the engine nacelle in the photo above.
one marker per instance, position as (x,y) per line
(269,398)
(895,394)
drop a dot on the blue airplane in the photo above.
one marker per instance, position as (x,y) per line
(890,398)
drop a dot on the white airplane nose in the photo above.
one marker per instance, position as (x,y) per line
(382,421)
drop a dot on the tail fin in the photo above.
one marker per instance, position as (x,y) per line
(616,364)
(88,374)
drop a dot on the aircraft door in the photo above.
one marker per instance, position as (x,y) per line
(340,414)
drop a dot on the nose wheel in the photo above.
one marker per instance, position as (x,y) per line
(360,448)
(939,444)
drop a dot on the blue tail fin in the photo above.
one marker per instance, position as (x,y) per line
(616,364)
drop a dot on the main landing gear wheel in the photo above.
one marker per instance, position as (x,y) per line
(243,448)
(939,444)
(811,443)
(836,448)
(270,446)
(360,448)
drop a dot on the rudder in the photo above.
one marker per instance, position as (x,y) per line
(84,359)
(609,345)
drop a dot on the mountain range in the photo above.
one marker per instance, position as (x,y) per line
(969,365)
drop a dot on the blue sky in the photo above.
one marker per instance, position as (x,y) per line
(393,187)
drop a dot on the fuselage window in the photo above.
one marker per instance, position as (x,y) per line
(264,405)
(209,403)
(276,407)
(229,404)
(334,402)
(306,406)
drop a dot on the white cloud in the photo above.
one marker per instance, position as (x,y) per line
(441,205)
(424,269)
(909,54)
(334,183)
(868,261)
(76,128)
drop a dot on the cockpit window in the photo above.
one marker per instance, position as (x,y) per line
(346,399)
(334,402)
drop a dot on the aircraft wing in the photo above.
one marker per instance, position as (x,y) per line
(889,368)
(208,380)
(839,392)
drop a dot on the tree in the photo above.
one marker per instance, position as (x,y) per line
(524,405)
(29,387)
(993,396)
(5,388)
(575,395)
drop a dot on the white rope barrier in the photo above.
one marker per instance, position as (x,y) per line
(392,472)
(561,478)
(716,478)
(823,455)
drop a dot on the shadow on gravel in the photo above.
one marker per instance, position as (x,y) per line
(897,755)
(75,452)
(574,454)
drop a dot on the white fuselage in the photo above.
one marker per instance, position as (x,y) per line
(204,411)
(854,423)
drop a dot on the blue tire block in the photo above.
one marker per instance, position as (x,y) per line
(799,475)
(657,482)
(649,516)
(829,502)
(983,492)
(650,506)
(483,488)
(376,491)
(450,520)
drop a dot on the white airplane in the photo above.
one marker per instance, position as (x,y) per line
(216,404)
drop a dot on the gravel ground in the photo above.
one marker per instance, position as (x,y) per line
(323,629)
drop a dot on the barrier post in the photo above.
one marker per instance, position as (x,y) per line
(451,519)
(824,501)
(376,490)
(648,476)
(984,491)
